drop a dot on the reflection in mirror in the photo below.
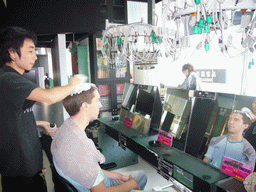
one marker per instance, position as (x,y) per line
(217,124)
(247,104)
(204,103)
(226,148)
(208,119)
(175,115)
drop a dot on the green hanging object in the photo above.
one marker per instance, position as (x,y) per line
(196,28)
(201,22)
(200,30)
(206,46)
(209,19)
(152,34)
(104,40)
(119,41)
(197,1)
(250,65)
(206,28)
(252,61)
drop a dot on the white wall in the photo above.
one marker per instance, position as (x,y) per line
(136,11)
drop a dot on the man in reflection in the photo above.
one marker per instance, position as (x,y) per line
(233,145)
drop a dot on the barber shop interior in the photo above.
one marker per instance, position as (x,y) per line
(173,94)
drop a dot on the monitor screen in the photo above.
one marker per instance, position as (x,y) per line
(145,102)
(183,176)
(129,96)
(166,122)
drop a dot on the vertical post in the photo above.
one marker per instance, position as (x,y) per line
(151,12)
(60,76)
(59,57)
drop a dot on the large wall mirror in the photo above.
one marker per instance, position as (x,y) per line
(210,130)
(194,119)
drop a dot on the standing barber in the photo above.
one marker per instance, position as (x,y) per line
(21,157)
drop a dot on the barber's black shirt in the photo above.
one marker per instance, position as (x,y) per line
(20,148)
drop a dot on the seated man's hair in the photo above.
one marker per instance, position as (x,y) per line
(73,103)
(246,119)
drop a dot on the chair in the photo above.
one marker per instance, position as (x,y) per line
(61,184)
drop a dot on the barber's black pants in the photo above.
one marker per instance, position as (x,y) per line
(36,183)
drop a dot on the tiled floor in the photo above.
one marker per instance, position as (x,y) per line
(154,179)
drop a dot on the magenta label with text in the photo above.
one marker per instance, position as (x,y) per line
(235,168)
(128,121)
(165,137)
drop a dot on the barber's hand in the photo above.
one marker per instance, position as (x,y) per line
(77,79)
(248,113)
(46,126)
(50,131)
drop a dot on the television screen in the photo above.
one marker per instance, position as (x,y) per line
(145,102)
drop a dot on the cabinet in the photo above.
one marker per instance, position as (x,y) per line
(109,78)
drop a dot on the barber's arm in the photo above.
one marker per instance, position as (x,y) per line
(55,94)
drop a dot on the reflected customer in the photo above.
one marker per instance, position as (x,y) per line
(192,81)
(233,145)
(76,157)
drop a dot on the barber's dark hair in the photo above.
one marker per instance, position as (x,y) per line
(73,103)
(189,67)
(13,38)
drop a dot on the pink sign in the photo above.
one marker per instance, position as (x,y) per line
(165,138)
(128,121)
(235,168)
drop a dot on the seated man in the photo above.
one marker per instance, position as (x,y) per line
(233,145)
(75,155)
